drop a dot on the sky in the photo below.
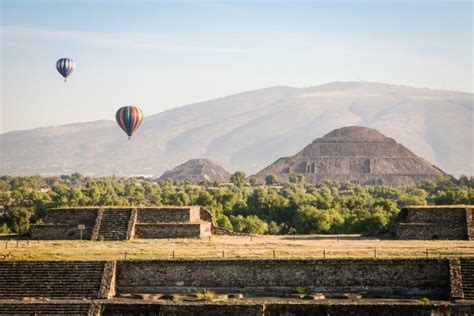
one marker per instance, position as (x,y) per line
(163,54)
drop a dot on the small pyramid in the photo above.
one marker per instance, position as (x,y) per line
(357,154)
(199,170)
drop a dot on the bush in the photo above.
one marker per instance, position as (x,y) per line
(250,224)
(310,220)
(273,228)
(238,178)
(271,179)
(4,229)
(223,221)
(18,220)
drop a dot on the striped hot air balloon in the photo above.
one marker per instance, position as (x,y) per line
(65,66)
(129,119)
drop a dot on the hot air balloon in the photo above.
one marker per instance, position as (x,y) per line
(65,66)
(129,119)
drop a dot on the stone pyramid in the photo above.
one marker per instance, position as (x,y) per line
(198,169)
(357,154)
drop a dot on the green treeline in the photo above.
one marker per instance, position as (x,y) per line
(292,208)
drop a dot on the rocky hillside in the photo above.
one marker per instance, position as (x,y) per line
(250,130)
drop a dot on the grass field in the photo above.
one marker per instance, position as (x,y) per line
(234,247)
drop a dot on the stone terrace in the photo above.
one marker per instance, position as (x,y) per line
(121,223)
(436,222)
(382,287)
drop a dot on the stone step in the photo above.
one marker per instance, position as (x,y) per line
(114,224)
(50,279)
(44,309)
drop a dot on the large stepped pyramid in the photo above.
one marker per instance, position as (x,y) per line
(114,224)
(357,154)
(467,272)
(51,279)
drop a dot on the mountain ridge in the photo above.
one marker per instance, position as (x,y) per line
(248,130)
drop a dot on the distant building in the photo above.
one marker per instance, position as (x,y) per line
(45,189)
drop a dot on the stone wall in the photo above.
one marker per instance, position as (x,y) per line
(278,309)
(58,231)
(431,231)
(71,216)
(433,214)
(375,278)
(168,214)
(470,223)
(365,179)
(107,285)
(172,230)
(435,222)
(206,215)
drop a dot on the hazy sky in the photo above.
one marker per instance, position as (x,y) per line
(162,54)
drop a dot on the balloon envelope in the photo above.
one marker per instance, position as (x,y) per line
(65,66)
(129,119)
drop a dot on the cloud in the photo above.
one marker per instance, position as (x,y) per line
(112,39)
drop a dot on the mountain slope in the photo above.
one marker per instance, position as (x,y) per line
(250,130)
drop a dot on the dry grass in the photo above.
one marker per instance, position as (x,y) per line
(234,247)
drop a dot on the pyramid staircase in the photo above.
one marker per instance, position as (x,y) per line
(49,309)
(114,224)
(467,277)
(51,279)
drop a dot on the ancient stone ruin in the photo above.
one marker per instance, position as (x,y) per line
(243,287)
(357,154)
(436,222)
(199,170)
(124,223)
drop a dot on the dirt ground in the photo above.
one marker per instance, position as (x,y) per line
(234,247)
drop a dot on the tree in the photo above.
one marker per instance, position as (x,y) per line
(310,220)
(273,228)
(238,178)
(18,220)
(4,229)
(373,222)
(250,224)
(253,182)
(271,179)
(296,178)
(223,221)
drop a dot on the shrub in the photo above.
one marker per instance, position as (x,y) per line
(4,229)
(18,220)
(250,224)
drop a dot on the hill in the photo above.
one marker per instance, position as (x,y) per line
(250,130)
